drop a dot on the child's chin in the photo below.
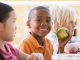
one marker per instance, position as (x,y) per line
(9,40)
(43,35)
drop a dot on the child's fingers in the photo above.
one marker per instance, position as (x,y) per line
(33,57)
(29,57)
(40,57)
(37,56)
(71,48)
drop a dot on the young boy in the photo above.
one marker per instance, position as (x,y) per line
(39,23)
(63,17)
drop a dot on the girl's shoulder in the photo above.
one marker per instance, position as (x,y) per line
(12,48)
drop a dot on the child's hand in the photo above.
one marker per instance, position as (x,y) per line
(62,43)
(36,56)
(71,48)
(33,56)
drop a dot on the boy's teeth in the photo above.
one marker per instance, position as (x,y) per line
(43,29)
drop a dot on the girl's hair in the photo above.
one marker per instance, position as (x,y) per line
(1,57)
(5,9)
(63,14)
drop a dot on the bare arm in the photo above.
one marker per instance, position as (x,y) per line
(23,56)
(33,56)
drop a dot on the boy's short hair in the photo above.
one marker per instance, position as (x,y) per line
(63,14)
(37,8)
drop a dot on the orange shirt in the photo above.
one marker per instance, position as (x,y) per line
(31,45)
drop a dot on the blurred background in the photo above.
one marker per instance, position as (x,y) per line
(22,7)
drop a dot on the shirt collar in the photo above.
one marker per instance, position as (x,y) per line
(34,42)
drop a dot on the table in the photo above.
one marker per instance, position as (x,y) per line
(66,57)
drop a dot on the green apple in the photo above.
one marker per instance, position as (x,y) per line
(62,33)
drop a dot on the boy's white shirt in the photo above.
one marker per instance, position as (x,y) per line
(53,38)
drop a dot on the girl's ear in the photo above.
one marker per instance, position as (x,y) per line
(1,26)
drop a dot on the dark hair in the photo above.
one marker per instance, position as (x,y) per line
(4,11)
(37,8)
(1,57)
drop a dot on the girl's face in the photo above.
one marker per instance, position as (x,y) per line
(70,26)
(40,23)
(9,27)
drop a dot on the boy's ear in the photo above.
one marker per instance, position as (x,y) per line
(28,23)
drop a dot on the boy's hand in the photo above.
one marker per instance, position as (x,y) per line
(62,43)
(71,48)
(36,56)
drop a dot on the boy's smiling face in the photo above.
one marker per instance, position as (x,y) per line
(40,22)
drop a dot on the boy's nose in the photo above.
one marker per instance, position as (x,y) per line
(43,24)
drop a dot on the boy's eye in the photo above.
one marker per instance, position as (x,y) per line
(48,20)
(73,24)
(38,20)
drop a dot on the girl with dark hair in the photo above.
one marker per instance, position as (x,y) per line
(7,31)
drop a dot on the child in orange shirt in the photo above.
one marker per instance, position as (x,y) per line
(39,23)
